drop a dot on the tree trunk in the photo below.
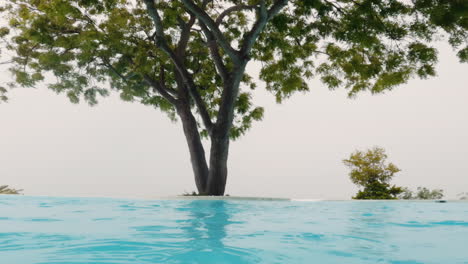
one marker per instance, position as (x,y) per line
(212,180)
(197,152)
(217,175)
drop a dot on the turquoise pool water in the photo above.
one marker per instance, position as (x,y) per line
(39,230)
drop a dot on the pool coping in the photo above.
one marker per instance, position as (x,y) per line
(231,198)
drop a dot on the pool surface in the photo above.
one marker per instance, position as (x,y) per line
(43,230)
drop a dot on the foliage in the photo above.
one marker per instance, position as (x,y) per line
(370,171)
(5,190)
(425,194)
(378,191)
(422,193)
(193,193)
(406,194)
(3,97)
(463,196)
(88,44)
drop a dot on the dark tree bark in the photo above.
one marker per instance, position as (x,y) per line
(197,152)
(212,180)
(218,172)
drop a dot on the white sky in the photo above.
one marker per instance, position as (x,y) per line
(49,146)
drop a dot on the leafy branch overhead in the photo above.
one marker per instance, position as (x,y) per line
(160,53)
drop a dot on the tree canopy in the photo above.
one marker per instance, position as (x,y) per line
(370,171)
(188,57)
(361,45)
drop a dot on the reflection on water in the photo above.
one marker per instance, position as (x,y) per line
(206,224)
(367,230)
(206,231)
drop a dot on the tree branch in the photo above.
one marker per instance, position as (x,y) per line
(251,37)
(6,62)
(160,39)
(231,90)
(162,81)
(153,12)
(204,18)
(151,82)
(264,16)
(276,8)
(181,69)
(214,51)
(202,109)
(160,88)
(162,43)
(181,48)
(205,3)
(231,9)
(337,8)
(184,35)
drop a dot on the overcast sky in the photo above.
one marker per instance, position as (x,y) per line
(49,146)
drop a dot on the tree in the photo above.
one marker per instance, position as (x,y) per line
(370,171)
(463,196)
(422,193)
(188,57)
(406,194)
(5,190)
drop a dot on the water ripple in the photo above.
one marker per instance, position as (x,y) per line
(42,230)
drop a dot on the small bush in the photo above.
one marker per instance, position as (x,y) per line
(422,193)
(5,190)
